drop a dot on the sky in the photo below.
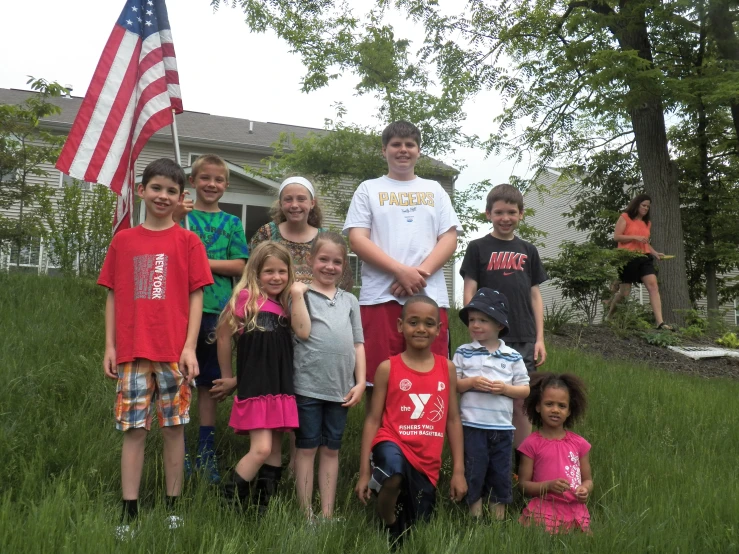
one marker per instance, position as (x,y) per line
(224,69)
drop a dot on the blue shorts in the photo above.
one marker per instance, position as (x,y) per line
(487,465)
(207,353)
(417,496)
(321,423)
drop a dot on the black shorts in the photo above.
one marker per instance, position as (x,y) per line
(636,269)
(207,352)
(418,495)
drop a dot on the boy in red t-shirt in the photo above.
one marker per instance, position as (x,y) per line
(414,403)
(155,274)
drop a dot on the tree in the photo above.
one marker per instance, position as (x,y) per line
(24,149)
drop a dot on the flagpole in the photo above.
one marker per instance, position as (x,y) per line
(178,159)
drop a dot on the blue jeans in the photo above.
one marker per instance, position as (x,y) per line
(487,464)
(321,423)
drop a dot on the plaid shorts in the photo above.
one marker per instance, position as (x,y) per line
(142,382)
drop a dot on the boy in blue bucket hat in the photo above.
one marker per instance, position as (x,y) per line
(489,376)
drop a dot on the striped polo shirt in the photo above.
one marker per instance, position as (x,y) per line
(482,409)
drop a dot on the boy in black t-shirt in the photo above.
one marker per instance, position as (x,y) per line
(503,262)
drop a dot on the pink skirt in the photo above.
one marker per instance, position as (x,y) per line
(276,412)
(556,515)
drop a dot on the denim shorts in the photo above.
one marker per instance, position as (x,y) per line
(206,352)
(418,494)
(321,423)
(487,465)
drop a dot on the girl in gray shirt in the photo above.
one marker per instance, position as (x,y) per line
(329,371)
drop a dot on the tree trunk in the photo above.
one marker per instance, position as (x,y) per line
(660,181)
(727,44)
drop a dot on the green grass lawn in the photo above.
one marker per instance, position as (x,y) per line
(665,457)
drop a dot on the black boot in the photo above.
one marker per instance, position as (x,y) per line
(267,481)
(236,490)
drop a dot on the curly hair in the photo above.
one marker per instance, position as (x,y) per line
(567,381)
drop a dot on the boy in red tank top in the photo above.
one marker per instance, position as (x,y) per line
(413,405)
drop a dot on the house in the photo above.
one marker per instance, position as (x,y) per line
(549,206)
(240,142)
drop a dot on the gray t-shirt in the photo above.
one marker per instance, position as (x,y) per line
(324,364)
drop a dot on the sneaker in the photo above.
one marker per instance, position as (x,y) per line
(207,464)
(174,522)
(188,466)
(124,532)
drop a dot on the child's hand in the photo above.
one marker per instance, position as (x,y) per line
(560,486)
(298,288)
(109,365)
(497,387)
(482,384)
(582,493)
(184,207)
(409,280)
(189,364)
(362,489)
(458,487)
(222,388)
(355,396)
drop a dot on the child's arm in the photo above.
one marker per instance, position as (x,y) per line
(479,383)
(469,290)
(188,361)
(442,252)
(371,425)
(511,391)
(583,491)
(299,317)
(223,387)
(360,377)
(537,306)
(458,485)
(411,279)
(532,488)
(227,268)
(109,365)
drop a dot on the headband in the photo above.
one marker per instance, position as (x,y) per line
(298,181)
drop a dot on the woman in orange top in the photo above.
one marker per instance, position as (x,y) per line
(632,233)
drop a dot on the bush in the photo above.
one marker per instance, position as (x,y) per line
(661,338)
(729,340)
(583,273)
(557,317)
(630,317)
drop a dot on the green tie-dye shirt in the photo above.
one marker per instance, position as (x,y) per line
(224,239)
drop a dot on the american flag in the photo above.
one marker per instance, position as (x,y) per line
(132,94)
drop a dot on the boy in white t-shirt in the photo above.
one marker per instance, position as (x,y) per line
(404,229)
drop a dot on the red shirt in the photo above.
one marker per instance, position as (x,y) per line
(415,413)
(152,274)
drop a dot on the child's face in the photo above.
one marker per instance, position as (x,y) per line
(210,183)
(296,203)
(420,326)
(328,264)
(401,155)
(273,277)
(161,196)
(505,218)
(554,407)
(482,328)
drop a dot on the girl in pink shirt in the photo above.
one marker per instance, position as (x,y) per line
(555,467)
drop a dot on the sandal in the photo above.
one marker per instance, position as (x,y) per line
(665,326)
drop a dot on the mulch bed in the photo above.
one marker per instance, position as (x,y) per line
(600,339)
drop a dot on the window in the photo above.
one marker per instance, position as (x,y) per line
(736,312)
(191,157)
(28,255)
(356,266)
(7,176)
(67,181)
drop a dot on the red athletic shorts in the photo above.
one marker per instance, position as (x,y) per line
(382,339)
